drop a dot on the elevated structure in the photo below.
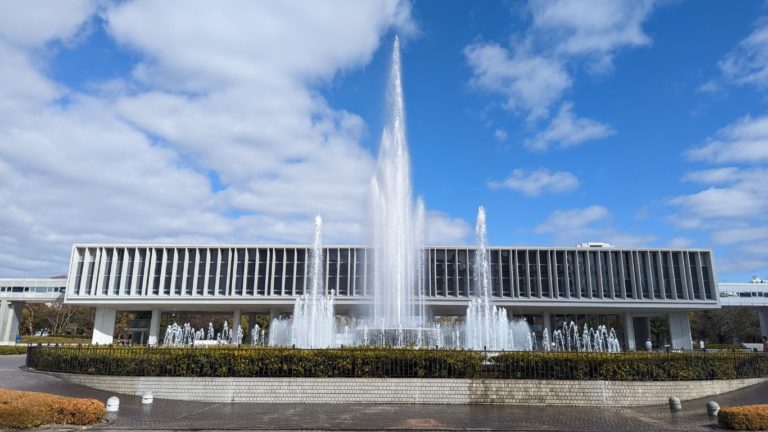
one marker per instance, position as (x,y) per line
(546,285)
(753,295)
(15,293)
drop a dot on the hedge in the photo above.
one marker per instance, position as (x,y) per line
(256,362)
(13,349)
(632,366)
(395,363)
(24,410)
(747,417)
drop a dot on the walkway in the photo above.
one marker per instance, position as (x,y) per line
(174,415)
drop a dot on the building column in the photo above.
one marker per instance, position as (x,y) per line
(103,326)
(154,328)
(680,330)
(762,313)
(629,331)
(235,323)
(547,323)
(10,316)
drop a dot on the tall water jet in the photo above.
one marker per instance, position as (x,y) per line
(487,326)
(313,324)
(395,235)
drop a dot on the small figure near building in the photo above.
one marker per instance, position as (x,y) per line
(649,345)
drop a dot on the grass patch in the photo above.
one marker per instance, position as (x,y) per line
(13,349)
(747,417)
(24,410)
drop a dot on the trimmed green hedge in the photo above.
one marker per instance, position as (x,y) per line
(632,366)
(395,363)
(13,349)
(256,362)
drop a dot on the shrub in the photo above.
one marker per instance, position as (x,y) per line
(56,339)
(23,410)
(747,417)
(395,363)
(13,349)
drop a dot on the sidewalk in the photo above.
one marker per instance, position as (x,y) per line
(177,415)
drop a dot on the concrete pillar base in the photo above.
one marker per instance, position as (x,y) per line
(680,330)
(103,326)
(154,328)
(10,316)
(629,331)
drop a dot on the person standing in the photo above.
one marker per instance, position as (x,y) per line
(765,343)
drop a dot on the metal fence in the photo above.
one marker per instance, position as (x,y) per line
(397,363)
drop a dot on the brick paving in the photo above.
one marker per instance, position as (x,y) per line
(176,415)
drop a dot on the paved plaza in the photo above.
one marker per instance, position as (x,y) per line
(176,415)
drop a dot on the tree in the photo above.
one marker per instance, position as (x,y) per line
(726,325)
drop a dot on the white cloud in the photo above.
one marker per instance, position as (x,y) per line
(573,219)
(747,64)
(680,243)
(534,182)
(445,230)
(529,82)
(574,226)
(500,135)
(213,94)
(31,23)
(567,130)
(533,73)
(593,28)
(745,140)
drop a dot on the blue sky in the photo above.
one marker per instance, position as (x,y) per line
(640,123)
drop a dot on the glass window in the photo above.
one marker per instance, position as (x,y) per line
(250,278)
(142,257)
(544,272)
(202,255)
(582,266)
(571,272)
(692,259)
(677,268)
(159,255)
(118,271)
(107,271)
(440,272)
(261,277)
(190,279)
(522,274)
(655,275)
(605,274)
(343,272)
(463,273)
(223,288)
(181,259)
(506,289)
(593,273)
(705,276)
(277,279)
(213,265)
(629,281)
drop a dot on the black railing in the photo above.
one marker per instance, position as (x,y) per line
(396,363)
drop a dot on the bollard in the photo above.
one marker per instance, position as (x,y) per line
(113,404)
(147,398)
(674,403)
(712,408)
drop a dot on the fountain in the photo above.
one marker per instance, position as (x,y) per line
(313,324)
(398,315)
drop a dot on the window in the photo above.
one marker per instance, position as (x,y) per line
(559,262)
(190,278)
(223,288)
(202,255)
(462,268)
(250,278)
(181,255)
(544,273)
(213,265)
(118,271)
(130,255)
(440,272)
(343,272)
(506,290)
(261,277)
(142,257)
(629,281)
(239,270)
(522,274)
(582,266)
(570,257)
(677,268)
(655,275)
(107,271)
(667,278)
(692,261)
(277,285)
(159,253)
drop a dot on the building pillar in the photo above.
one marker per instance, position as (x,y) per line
(10,316)
(642,327)
(273,313)
(235,323)
(629,331)
(762,313)
(680,330)
(103,326)
(154,328)
(547,323)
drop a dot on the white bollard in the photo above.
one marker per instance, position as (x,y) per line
(113,404)
(147,398)
(712,408)
(674,403)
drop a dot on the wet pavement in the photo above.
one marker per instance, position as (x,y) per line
(178,415)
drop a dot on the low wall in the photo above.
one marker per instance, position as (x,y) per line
(410,390)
